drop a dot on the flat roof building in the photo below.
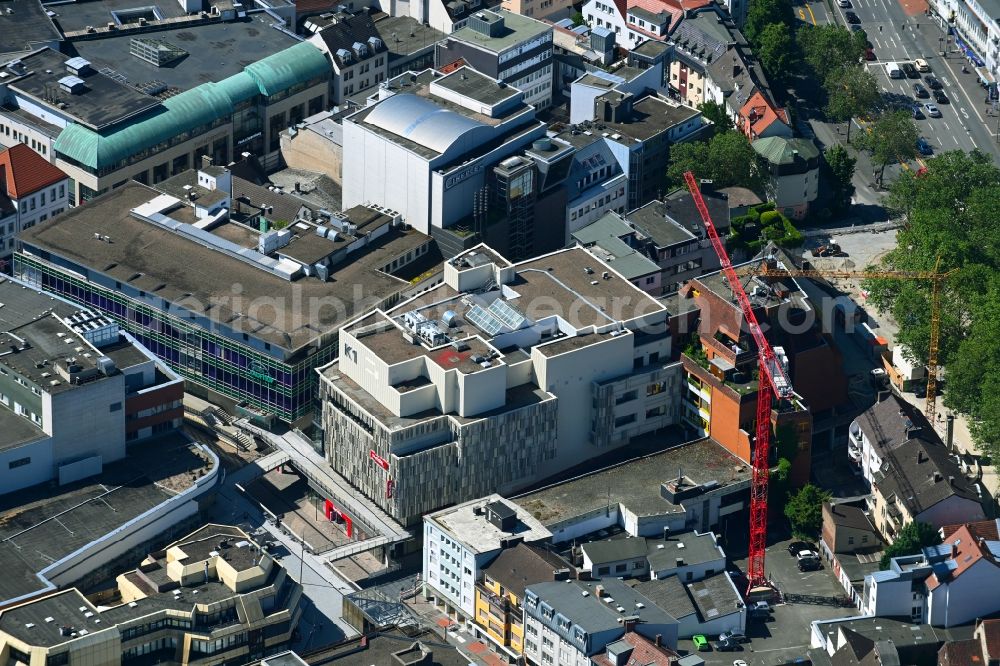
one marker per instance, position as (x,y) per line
(511,48)
(103,123)
(214,595)
(25,28)
(74,390)
(560,354)
(428,146)
(250,310)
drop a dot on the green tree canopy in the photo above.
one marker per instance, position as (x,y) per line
(717,114)
(727,159)
(851,92)
(911,540)
(830,47)
(891,139)
(951,213)
(840,172)
(804,510)
(777,51)
(763,13)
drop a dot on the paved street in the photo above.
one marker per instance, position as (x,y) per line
(901,32)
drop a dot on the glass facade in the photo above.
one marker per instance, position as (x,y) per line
(202,356)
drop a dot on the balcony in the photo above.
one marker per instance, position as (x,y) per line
(500,607)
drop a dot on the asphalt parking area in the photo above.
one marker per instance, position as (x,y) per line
(785,637)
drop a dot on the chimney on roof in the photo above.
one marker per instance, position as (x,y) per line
(951,480)
(920,455)
(658,641)
(599,591)
(954,549)
(206,161)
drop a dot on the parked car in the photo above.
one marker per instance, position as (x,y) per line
(845,4)
(810,564)
(726,646)
(920,91)
(796,546)
(932,110)
(910,71)
(870,54)
(806,554)
(733,636)
(700,643)
(759,610)
(852,18)
(932,82)
(925,149)
(940,97)
(918,113)
(921,65)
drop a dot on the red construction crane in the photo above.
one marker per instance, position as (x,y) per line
(772,379)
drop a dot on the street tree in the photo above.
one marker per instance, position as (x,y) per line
(727,159)
(830,47)
(763,13)
(777,51)
(951,215)
(913,538)
(891,139)
(717,114)
(851,92)
(840,174)
(804,510)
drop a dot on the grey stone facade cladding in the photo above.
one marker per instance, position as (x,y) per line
(454,462)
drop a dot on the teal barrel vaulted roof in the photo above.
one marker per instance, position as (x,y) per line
(192,108)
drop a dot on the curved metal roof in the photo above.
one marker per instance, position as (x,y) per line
(282,70)
(192,108)
(422,121)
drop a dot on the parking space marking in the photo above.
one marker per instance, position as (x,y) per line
(955,139)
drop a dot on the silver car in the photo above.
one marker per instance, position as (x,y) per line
(932,110)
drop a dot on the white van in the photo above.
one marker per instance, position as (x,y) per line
(893,70)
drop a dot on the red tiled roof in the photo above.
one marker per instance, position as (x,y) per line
(643,652)
(966,551)
(763,115)
(989,630)
(960,653)
(26,171)
(675,8)
(452,66)
(986,529)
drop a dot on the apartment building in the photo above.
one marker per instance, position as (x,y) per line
(940,586)
(460,541)
(792,172)
(213,597)
(537,9)
(578,50)
(699,39)
(720,365)
(31,191)
(513,49)
(559,354)
(500,595)
(982,648)
(884,427)
(102,132)
(635,21)
(565,624)
(255,309)
(74,390)
(921,481)
(357,52)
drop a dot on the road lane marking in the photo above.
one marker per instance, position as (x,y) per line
(946,126)
(811,15)
(964,113)
(802,14)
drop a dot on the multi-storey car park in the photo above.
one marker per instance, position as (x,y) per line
(503,375)
(244,314)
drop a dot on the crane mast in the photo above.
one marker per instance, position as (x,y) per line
(772,381)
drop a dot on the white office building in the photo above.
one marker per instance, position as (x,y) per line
(461,540)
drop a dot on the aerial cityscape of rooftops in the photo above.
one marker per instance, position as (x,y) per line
(480,332)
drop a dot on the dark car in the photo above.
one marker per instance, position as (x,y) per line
(920,91)
(810,564)
(727,646)
(910,70)
(852,18)
(733,637)
(795,547)
(870,54)
(940,97)
(918,113)
(924,148)
(932,82)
